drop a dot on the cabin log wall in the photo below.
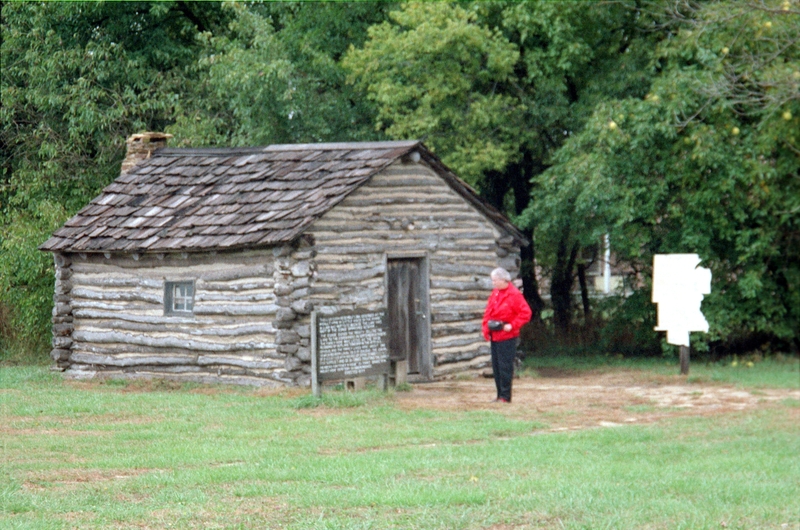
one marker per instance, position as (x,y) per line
(409,209)
(240,331)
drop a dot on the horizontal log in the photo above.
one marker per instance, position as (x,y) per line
(361,297)
(373,249)
(455,316)
(62,309)
(468,235)
(205,296)
(164,369)
(119,296)
(466,266)
(302,307)
(328,260)
(299,295)
(457,285)
(459,296)
(218,360)
(399,193)
(243,309)
(61,298)
(179,259)
(456,329)
(455,208)
(398,167)
(63,286)
(234,272)
(324,289)
(61,342)
(239,285)
(62,260)
(127,349)
(63,330)
(163,326)
(90,313)
(131,360)
(405,181)
(338,277)
(79,304)
(275,380)
(103,337)
(463,366)
(59,355)
(467,339)
(383,223)
(382,200)
(103,280)
(212,272)
(460,356)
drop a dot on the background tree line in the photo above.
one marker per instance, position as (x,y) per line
(671,126)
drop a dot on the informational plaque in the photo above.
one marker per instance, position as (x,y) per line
(678,289)
(349,344)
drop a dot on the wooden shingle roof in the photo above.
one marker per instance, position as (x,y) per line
(184,200)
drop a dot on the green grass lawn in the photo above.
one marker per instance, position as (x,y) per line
(126,455)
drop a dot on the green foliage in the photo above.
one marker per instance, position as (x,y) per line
(273,77)
(672,127)
(26,280)
(495,89)
(706,162)
(432,72)
(77,78)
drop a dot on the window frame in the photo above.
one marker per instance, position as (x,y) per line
(170,297)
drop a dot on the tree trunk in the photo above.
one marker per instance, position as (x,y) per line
(561,284)
(587,309)
(530,284)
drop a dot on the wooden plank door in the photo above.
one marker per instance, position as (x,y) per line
(407,300)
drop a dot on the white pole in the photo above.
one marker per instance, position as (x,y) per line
(607,265)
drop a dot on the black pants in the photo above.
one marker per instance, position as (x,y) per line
(503,353)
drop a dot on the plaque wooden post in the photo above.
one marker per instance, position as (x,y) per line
(315,387)
(684,356)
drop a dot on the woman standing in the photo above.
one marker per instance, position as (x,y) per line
(506,312)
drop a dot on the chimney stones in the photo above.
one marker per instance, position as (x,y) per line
(140,146)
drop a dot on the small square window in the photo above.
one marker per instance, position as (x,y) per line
(178,297)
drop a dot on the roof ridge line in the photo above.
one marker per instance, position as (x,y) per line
(335,146)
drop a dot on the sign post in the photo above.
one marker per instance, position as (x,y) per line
(678,289)
(348,345)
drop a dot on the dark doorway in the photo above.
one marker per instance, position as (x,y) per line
(407,301)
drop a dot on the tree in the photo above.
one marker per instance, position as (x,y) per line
(495,88)
(707,162)
(274,77)
(77,78)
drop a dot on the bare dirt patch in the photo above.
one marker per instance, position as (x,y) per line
(568,401)
(71,478)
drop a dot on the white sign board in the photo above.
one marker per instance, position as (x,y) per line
(678,289)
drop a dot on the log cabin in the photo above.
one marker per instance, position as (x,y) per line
(204,265)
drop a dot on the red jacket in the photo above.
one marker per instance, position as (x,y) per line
(509,306)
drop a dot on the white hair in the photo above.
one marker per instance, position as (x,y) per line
(501,274)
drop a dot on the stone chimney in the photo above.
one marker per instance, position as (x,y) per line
(141,146)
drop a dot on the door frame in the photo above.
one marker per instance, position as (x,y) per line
(426,356)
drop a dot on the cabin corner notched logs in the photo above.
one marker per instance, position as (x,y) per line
(252,301)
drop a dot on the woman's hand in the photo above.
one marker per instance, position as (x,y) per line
(507,327)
